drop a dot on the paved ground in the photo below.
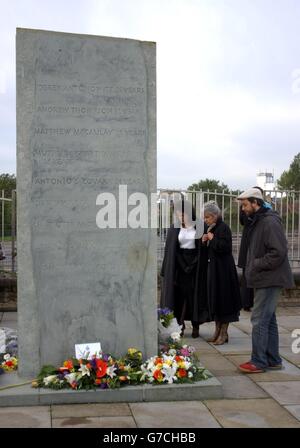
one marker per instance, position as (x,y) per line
(263,400)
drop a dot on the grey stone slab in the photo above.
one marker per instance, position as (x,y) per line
(288,354)
(289,373)
(201,390)
(92,410)
(252,413)
(294,410)
(86,124)
(285,392)
(235,346)
(286,340)
(19,396)
(94,422)
(191,414)
(9,317)
(25,417)
(207,331)
(289,322)
(218,365)
(240,387)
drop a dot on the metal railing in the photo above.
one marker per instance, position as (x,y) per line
(286,203)
(8,242)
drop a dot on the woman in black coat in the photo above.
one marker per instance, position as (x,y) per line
(184,269)
(224,300)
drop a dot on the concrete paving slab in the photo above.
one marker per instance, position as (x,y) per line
(289,322)
(235,346)
(252,413)
(200,345)
(288,311)
(94,422)
(218,365)
(240,387)
(293,358)
(286,340)
(289,373)
(10,317)
(190,414)
(207,332)
(25,417)
(294,410)
(285,392)
(91,410)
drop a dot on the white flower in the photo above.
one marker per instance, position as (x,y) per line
(71,377)
(190,375)
(7,357)
(49,379)
(172,352)
(111,371)
(169,373)
(84,370)
(175,336)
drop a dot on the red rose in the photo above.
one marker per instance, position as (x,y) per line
(181,373)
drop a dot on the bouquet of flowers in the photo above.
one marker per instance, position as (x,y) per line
(104,372)
(10,363)
(170,368)
(168,328)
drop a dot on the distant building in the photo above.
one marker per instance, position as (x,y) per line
(265,180)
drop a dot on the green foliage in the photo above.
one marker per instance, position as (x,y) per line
(209,184)
(290,179)
(8,182)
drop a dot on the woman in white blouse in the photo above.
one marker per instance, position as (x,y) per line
(184,269)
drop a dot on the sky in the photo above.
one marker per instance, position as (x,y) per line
(228,79)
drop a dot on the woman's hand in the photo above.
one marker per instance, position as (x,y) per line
(210,236)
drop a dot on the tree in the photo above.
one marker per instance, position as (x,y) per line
(209,184)
(290,179)
(8,183)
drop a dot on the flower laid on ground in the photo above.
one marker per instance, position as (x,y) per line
(171,368)
(165,316)
(177,364)
(10,363)
(103,372)
(168,328)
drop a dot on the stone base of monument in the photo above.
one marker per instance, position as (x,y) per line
(25,395)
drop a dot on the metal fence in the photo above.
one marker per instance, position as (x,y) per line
(286,203)
(8,241)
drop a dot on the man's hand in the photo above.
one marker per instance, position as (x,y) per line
(204,238)
(210,236)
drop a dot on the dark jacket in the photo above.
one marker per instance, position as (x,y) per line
(267,262)
(169,274)
(223,286)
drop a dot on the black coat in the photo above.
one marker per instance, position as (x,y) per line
(245,221)
(224,297)
(169,274)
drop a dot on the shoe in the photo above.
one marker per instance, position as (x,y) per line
(223,336)
(276,367)
(195,332)
(216,334)
(248,367)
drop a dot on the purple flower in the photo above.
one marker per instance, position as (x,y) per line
(105,357)
(93,363)
(103,386)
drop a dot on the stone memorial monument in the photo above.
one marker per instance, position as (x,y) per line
(86,125)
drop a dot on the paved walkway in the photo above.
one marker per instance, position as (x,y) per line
(262,400)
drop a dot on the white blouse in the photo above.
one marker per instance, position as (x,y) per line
(186,238)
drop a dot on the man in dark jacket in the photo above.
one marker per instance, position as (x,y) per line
(267,271)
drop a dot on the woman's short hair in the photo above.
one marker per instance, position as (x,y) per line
(212,208)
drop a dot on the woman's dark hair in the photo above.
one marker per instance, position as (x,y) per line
(184,206)
(260,202)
